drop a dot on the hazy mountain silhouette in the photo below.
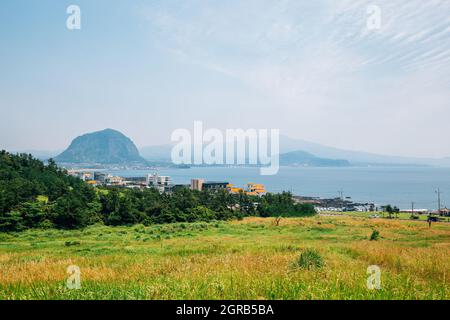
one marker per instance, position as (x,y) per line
(288,145)
(102,147)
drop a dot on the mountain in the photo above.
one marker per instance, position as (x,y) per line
(108,146)
(287,145)
(296,158)
(356,157)
(305,159)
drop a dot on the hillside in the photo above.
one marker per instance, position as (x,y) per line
(103,147)
(302,158)
(34,195)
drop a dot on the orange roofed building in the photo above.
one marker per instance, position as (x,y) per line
(255,189)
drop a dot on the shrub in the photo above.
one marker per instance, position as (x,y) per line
(310,259)
(139,228)
(72,243)
(375,235)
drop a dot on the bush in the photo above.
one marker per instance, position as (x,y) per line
(72,243)
(310,259)
(375,235)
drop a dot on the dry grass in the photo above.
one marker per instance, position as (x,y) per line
(249,259)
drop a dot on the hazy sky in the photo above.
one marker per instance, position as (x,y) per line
(310,68)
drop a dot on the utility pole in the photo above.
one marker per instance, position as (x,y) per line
(341,196)
(438,191)
(412,209)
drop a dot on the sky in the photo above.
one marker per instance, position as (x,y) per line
(313,69)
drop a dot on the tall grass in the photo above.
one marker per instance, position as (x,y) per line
(249,259)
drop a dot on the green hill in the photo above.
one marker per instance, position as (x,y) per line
(36,195)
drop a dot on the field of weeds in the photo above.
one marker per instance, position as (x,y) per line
(249,259)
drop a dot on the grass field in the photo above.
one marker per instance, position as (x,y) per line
(249,259)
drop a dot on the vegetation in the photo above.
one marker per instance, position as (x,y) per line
(392,210)
(241,259)
(375,235)
(132,244)
(310,259)
(34,195)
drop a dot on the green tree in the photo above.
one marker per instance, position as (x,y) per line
(69,212)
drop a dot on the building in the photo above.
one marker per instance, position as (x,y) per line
(231,188)
(255,189)
(197,184)
(445,212)
(83,175)
(115,181)
(100,177)
(215,186)
(162,183)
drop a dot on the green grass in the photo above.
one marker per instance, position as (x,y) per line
(250,259)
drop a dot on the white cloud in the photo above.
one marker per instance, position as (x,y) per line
(318,57)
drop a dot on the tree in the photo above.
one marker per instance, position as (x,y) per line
(33,213)
(11,221)
(389,210)
(69,212)
(396,211)
(200,213)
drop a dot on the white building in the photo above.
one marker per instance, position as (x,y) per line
(162,183)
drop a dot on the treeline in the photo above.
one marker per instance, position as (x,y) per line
(34,195)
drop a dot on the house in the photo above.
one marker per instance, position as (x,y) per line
(115,181)
(255,189)
(231,188)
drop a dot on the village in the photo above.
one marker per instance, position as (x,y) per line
(163,183)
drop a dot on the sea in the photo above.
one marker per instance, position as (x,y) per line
(399,186)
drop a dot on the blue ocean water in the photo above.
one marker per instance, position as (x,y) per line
(381,185)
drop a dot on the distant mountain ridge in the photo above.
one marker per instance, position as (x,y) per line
(357,157)
(294,158)
(102,147)
(302,159)
(161,154)
(288,145)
